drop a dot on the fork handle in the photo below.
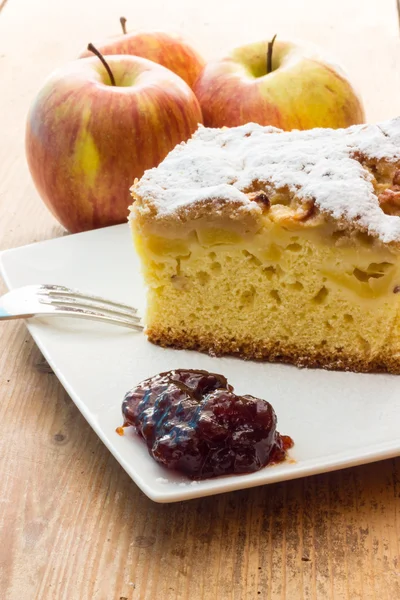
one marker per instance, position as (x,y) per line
(4,316)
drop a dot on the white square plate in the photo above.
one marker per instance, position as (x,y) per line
(336,419)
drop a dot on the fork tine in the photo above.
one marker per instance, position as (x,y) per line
(86,306)
(49,301)
(132,323)
(59,290)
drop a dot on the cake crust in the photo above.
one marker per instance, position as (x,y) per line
(276,352)
(350,176)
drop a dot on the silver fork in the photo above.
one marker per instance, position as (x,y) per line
(58,301)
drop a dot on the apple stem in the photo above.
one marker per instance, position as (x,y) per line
(122,20)
(269,54)
(99,55)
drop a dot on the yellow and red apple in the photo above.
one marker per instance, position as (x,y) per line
(299,90)
(167,49)
(87,140)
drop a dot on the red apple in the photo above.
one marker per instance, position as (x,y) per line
(87,140)
(297,90)
(166,49)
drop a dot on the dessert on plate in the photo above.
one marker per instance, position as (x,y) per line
(272,245)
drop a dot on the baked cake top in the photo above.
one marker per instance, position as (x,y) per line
(351,175)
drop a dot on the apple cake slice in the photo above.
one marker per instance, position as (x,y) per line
(272,245)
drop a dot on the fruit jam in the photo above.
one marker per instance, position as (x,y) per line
(193,422)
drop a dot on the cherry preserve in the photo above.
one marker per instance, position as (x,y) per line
(192,421)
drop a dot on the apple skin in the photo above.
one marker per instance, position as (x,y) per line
(87,141)
(301,92)
(166,49)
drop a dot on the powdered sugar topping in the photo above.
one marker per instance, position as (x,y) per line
(318,164)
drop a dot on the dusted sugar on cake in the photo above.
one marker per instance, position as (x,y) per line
(281,246)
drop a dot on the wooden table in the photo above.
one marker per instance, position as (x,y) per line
(73,525)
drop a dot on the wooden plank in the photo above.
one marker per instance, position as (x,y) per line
(73,525)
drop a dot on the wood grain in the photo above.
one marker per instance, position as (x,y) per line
(73,525)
